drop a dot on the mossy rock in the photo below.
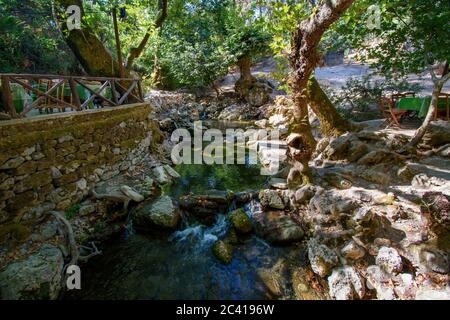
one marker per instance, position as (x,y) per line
(231,237)
(241,221)
(14,231)
(223,251)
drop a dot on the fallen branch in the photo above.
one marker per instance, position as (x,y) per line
(114,197)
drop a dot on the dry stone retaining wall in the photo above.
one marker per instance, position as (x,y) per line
(51,162)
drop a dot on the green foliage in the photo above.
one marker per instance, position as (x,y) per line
(29,42)
(412,36)
(72,212)
(200,41)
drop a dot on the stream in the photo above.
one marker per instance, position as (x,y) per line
(180,265)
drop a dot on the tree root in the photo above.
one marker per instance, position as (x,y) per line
(74,248)
(429,153)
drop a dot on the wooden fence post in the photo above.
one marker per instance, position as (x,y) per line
(7,97)
(75,96)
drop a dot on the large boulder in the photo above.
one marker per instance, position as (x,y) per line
(277,227)
(38,277)
(162,213)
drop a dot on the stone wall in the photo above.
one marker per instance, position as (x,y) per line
(51,162)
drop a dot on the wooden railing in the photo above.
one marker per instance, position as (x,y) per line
(62,92)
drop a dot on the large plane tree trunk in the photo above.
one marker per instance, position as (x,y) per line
(246,80)
(303,59)
(93,56)
(332,124)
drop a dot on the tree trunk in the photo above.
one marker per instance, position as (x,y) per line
(438,84)
(136,52)
(332,124)
(94,57)
(303,60)
(245,65)
(246,79)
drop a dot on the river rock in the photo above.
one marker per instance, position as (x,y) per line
(275,278)
(241,221)
(379,280)
(389,260)
(207,205)
(363,215)
(277,227)
(302,286)
(353,251)
(271,199)
(435,261)
(132,194)
(245,196)
(171,172)
(304,194)
(346,284)
(322,258)
(338,148)
(223,251)
(36,277)
(163,213)
(167,124)
(432,294)
(161,175)
(278,183)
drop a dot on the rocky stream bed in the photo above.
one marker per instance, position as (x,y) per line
(374,225)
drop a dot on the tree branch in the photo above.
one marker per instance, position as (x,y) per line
(136,52)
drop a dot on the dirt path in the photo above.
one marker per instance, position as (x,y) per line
(334,77)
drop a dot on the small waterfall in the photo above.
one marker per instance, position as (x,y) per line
(200,237)
(253,207)
(129,229)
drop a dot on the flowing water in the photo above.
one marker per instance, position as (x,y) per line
(181,265)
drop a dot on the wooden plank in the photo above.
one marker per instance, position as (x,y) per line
(74,94)
(96,93)
(93,96)
(141,93)
(58,77)
(125,89)
(133,85)
(7,97)
(43,95)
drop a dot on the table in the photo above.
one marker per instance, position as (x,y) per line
(421,105)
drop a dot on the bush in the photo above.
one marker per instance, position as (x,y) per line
(359,99)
